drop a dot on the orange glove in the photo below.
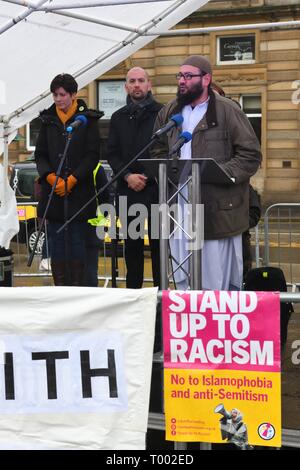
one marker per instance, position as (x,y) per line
(60,187)
(71,181)
(51,178)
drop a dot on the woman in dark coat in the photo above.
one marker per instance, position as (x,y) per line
(67,256)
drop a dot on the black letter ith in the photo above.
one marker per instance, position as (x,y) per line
(87,373)
(50,358)
(9,376)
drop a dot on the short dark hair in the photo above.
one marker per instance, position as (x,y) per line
(66,81)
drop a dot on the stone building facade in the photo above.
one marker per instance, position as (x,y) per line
(259,68)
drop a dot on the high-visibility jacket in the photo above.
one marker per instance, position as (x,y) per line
(100,220)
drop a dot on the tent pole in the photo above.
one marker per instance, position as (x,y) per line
(63,6)
(21,17)
(111,24)
(22,3)
(176,32)
(141,30)
(5,152)
(28,105)
(5,140)
(102,3)
(183,32)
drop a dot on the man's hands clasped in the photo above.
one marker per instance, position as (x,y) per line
(136,181)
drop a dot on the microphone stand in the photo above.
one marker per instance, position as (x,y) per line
(114,247)
(175,158)
(114,178)
(66,231)
(63,158)
(175,152)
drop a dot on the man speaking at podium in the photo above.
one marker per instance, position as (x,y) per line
(221,131)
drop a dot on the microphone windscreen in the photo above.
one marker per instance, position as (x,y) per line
(81,118)
(177,118)
(186,135)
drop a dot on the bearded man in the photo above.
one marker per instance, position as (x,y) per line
(220,130)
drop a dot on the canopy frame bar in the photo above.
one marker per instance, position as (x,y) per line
(22,3)
(212,29)
(28,11)
(175,32)
(89,19)
(102,3)
(96,3)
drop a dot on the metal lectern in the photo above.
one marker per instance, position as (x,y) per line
(168,172)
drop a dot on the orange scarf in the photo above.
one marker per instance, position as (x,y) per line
(64,117)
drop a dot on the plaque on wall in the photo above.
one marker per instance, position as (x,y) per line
(111,96)
(236,49)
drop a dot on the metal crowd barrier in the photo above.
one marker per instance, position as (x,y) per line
(282,239)
(23,242)
(279,233)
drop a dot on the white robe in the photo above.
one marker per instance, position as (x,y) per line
(222,260)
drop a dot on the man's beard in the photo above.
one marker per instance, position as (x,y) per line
(139,98)
(193,94)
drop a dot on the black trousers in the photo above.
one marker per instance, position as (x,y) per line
(134,258)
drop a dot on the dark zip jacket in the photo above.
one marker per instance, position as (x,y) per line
(131,128)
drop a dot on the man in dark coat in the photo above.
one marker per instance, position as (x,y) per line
(131,129)
(75,184)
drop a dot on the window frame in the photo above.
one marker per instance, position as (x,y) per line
(28,146)
(27,137)
(242,104)
(253,115)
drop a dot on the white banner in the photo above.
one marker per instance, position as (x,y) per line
(9,222)
(76,367)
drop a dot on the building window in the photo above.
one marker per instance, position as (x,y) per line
(32,132)
(111,96)
(251,105)
(236,49)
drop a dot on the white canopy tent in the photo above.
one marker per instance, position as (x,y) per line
(41,38)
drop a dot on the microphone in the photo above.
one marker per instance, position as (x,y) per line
(182,139)
(80,120)
(174,121)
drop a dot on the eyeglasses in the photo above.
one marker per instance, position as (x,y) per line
(188,76)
